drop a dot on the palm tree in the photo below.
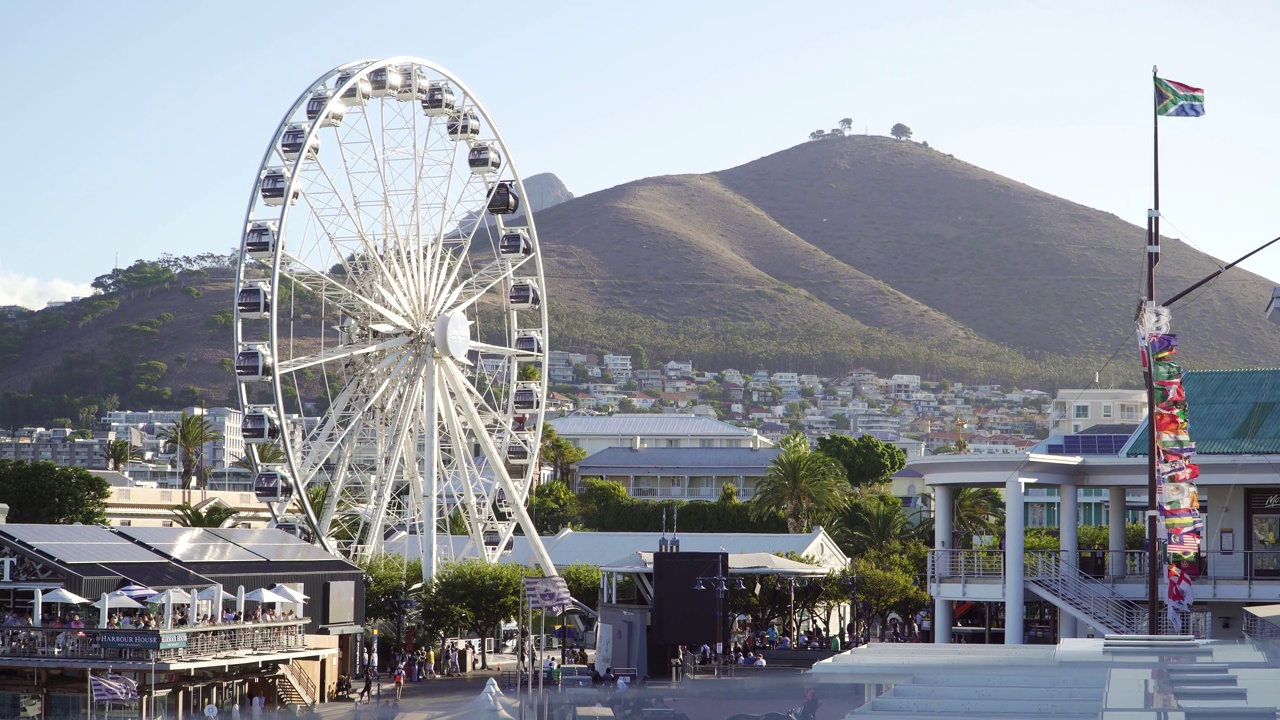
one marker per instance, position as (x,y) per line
(265,454)
(188,436)
(978,511)
(877,524)
(119,452)
(215,516)
(801,483)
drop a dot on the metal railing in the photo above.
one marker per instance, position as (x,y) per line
(681,493)
(301,681)
(1260,628)
(173,645)
(1095,600)
(964,564)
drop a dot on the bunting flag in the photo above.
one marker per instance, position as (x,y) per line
(1181,527)
(113,687)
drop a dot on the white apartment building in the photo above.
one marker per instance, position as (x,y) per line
(789,382)
(904,386)
(669,430)
(1077,410)
(619,366)
(679,368)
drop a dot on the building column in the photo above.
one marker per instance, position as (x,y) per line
(1014,544)
(943,524)
(1115,532)
(1068,542)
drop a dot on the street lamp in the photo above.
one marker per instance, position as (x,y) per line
(719,583)
(792,584)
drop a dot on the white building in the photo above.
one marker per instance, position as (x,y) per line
(669,430)
(1077,410)
(619,366)
(789,382)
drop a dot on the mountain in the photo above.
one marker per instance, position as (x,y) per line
(834,254)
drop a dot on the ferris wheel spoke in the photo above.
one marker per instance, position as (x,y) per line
(506,351)
(463,469)
(481,283)
(333,291)
(341,352)
(393,465)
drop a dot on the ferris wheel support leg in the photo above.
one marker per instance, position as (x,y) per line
(429,500)
(498,465)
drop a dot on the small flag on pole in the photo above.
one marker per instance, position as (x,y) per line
(547,593)
(113,687)
(1175,99)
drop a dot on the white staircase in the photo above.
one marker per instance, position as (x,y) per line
(1008,694)
(1081,596)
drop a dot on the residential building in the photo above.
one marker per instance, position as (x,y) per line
(788,382)
(656,431)
(733,376)
(1077,410)
(904,386)
(679,368)
(648,379)
(619,366)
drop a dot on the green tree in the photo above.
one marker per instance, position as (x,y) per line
(866,460)
(188,436)
(639,357)
(583,581)
(846,125)
(875,521)
(264,453)
(529,373)
(600,501)
(901,132)
(553,506)
(559,453)
(962,446)
(43,493)
(215,516)
(799,484)
(888,581)
(390,579)
(978,511)
(486,594)
(118,453)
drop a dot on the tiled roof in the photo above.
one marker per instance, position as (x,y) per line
(1230,412)
(646,426)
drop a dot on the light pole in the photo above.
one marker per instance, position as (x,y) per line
(792,583)
(719,583)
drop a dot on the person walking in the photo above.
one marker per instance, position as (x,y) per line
(367,691)
(399,679)
(431,663)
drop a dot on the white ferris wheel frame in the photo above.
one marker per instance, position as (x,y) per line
(422,301)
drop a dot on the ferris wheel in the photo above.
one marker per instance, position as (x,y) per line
(391,321)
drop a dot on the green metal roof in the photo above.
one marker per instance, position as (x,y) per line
(1229,412)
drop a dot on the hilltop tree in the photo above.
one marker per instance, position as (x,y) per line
(846,125)
(817,134)
(901,132)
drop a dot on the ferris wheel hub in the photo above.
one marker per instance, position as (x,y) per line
(453,335)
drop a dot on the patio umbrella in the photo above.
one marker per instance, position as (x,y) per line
(263,595)
(177,595)
(137,592)
(62,595)
(210,593)
(113,600)
(290,594)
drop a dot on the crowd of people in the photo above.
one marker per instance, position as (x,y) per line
(144,619)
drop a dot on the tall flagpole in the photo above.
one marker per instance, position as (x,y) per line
(1153,259)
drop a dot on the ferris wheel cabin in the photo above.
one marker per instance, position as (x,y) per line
(274,184)
(463,125)
(524,295)
(413,83)
(515,244)
(321,105)
(529,341)
(385,81)
(253,302)
(292,141)
(260,240)
(527,396)
(259,426)
(439,100)
(272,486)
(357,93)
(503,199)
(253,364)
(518,450)
(484,158)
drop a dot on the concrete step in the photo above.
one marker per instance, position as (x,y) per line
(1005,680)
(988,708)
(957,692)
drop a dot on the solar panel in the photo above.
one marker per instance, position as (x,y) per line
(206,552)
(298,551)
(254,536)
(36,534)
(123,551)
(166,535)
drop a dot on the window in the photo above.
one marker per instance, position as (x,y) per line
(673,443)
(1080,412)
(707,443)
(166,523)
(1107,411)
(1076,427)
(124,523)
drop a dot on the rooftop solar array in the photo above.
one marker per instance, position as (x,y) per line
(225,544)
(80,543)
(1089,445)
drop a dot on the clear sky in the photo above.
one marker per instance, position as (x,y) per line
(136,128)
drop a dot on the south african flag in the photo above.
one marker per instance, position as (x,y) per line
(1177,99)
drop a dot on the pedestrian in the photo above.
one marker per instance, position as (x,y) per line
(399,679)
(431,663)
(366,691)
(453,661)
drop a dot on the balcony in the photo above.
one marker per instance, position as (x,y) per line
(24,646)
(682,493)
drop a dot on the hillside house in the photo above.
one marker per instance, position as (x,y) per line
(678,368)
(619,366)
(1077,410)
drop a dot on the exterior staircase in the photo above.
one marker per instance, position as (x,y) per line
(1081,596)
(294,687)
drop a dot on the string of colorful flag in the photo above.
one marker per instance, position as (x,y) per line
(1181,527)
